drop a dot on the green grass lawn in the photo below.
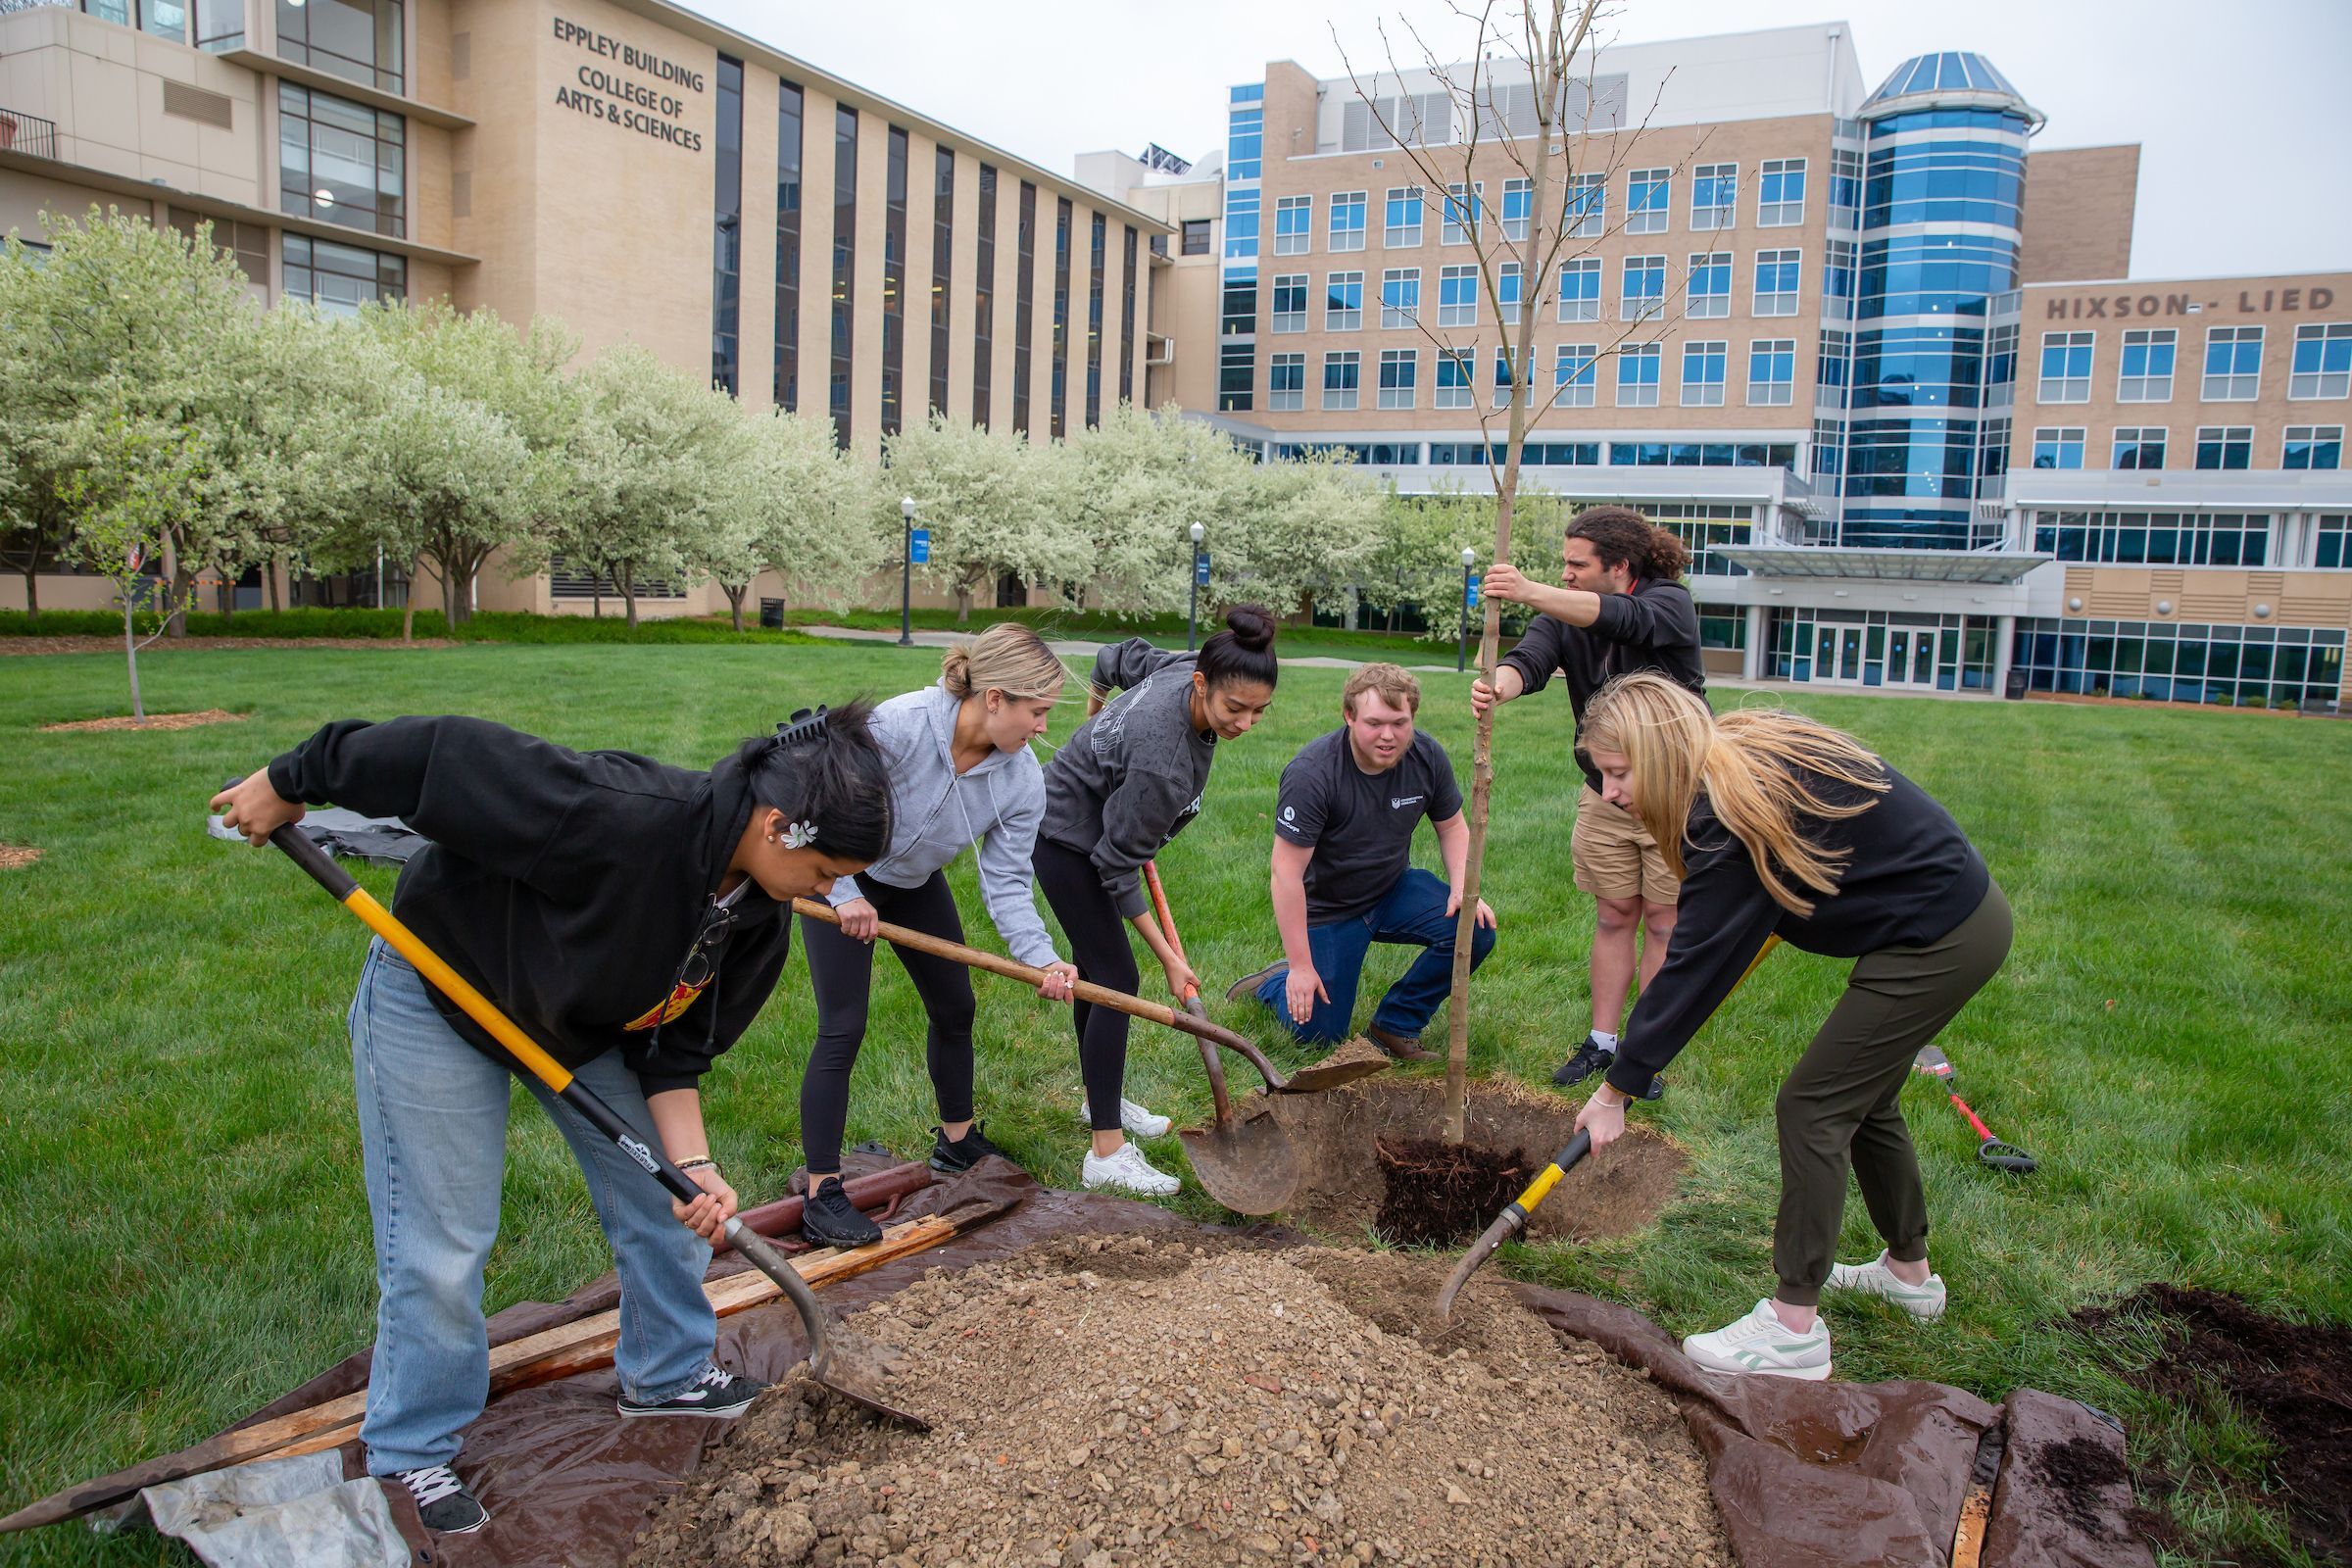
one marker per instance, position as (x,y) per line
(183,1233)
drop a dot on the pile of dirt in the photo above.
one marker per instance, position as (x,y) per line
(1442,1194)
(1143,1399)
(153,722)
(2292,1380)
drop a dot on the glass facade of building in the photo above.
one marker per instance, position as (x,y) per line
(2240,667)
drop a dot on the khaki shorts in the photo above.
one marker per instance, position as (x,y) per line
(1614,856)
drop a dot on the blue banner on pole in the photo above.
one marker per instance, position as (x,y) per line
(918,547)
(1470,593)
(1200,570)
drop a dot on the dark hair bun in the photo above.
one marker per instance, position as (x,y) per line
(1252,626)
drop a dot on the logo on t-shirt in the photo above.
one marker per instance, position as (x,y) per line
(1398,802)
(1289,813)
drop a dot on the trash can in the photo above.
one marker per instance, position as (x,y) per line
(2016,686)
(771,613)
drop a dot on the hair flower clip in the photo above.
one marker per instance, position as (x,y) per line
(799,835)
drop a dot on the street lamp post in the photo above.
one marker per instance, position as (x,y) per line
(906,575)
(1461,641)
(1192,623)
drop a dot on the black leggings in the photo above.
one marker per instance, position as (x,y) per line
(841,973)
(1074,891)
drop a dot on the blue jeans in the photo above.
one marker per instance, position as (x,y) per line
(433,1137)
(1413,911)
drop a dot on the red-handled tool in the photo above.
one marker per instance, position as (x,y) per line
(1167,925)
(1991,1152)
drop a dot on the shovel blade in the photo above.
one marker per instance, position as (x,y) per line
(1247,1165)
(860,1370)
(1481,1250)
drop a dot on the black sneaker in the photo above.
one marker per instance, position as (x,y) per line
(716,1393)
(442,1500)
(829,1219)
(963,1154)
(1247,985)
(1591,1057)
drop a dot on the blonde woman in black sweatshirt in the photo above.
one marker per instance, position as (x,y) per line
(1780,827)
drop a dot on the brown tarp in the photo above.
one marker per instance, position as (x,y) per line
(1807,1475)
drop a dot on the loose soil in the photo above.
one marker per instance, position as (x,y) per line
(16,856)
(2292,1380)
(1143,1399)
(114,645)
(1441,1193)
(1614,1193)
(210,716)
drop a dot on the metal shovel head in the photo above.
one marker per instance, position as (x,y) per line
(1246,1163)
(1502,1230)
(860,1370)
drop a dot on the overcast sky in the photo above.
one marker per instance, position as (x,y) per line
(2240,110)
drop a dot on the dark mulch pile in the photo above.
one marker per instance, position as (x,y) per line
(1442,1194)
(2293,1380)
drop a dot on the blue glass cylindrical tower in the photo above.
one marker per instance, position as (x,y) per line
(1943,191)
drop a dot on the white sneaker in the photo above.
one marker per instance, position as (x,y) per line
(1875,1278)
(1127,1171)
(1761,1343)
(1138,1121)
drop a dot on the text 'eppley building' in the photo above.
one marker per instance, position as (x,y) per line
(1878,361)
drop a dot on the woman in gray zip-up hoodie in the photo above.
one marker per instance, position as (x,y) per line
(960,773)
(1126,784)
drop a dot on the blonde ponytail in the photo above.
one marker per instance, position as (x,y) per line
(1748,764)
(1009,658)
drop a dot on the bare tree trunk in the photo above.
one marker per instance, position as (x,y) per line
(628,590)
(32,585)
(131,656)
(183,589)
(735,602)
(270,576)
(408,604)
(596,594)
(963,604)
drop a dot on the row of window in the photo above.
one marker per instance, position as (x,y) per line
(1463,210)
(1771,377)
(2156,538)
(1394,453)
(2320,366)
(1708,292)
(2246,666)
(2218,446)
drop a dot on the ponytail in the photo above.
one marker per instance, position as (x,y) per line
(1748,764)
(1623,537)
(1242,651)
(825,769)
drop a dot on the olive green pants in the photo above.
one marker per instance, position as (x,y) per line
(1840,1104)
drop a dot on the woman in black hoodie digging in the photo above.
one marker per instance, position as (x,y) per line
(629,917)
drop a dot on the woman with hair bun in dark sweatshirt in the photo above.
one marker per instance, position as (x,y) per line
(1126,783)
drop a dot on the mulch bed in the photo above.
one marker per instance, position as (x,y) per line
(208,715)
(16,856)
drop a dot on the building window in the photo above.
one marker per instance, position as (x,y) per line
(2066,367)
(1291,216)
(2000,366)
(785,384)
(1780,192)
(1518,205)
(1245,142)
(1240,315)
(1776,273)
(1464,213)
(1845,188)
(1286,383)
(2246,666)
(245,244)
(2056,447)
(2314,446)
(2233,363)
(1402,226)
(1503,388)
(1127,320)
(1704,367)
(2140,448)
(2146,375)
(340,278)
(845,269)
(340,161)
(1833,368)
(1195,236)
(1585,212)
(1574,378)
(1233,395)
(1288,303)
(894,281)
(1838,280)
(1507,278)
(1772,372)
(1342,302)
(1580,289)
(1645,293)
(1648,200)
(2330,540)
(1399,369)
(360,40)
(1638,376)
(2225,446)
(726,245)
(1061,318)
(1097,258)
(984,300)
(1399,297)
(1453,377)
(1457,296)
(1710,285)
(1714,197)
(1024,310)
(2156,538)
(1342,369)
(1347,221)
(943,254)
(2323,363)
(1241,224)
